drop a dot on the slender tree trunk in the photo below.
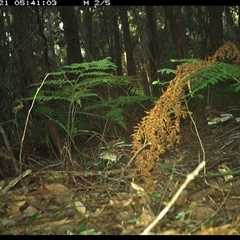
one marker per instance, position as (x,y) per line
(71,34)
(239,16)
(107,33)
(216,27)
(230,22)
(28,47)
(117,45)
(131,66)
(88,34)
(50,124)
(44,45)
(49,33)
(154,41)
(142,44)
(30,68)
(175,31)
(204,34)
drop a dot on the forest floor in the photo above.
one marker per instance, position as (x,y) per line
(113,200)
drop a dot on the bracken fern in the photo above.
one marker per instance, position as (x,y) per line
(90,92)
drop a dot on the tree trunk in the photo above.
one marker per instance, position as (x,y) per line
(117,45)
(230,22)
(131,66)
(50,124)
(142,43)
(153,43)
(175,31)
(87,34)
(29,66)
(71,35)
(44,45)
(28,45)
(50,37)
(239,16)
(216,27)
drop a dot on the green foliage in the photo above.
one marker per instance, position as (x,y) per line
(215,73)
(167,71)
(87,69)
(90,96)
(116,112)
(185,60)
(157,82)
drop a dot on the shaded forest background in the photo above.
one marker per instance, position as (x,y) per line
(139,40)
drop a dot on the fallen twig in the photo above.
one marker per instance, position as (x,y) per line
(189,178)
(15,181)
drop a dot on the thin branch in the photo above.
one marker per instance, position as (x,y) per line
(189,178)
(6,142)
(26,123)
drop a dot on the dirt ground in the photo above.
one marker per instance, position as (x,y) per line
(110,198)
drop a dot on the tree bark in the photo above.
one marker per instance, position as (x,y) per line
(50,124)
(88,34)
(29,68)
(175,31)
(71,35)
(142,44)
(238,16)
(216,27)
(153,44)
(230,22)
(45,59)
(131,66)
(117,45)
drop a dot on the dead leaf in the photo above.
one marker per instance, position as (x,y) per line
(137,187)
(46,193)
(64,198)
(120,203)
(80,207)
(13,211)
(57,188)
(7,221)
(62,222)
(181,157)
(29,211)
(97,213)
(182,199)
(223,230)
(14,206)
(60,192)
(202,213)
(146,218)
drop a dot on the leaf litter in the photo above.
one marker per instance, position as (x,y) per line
(116,202)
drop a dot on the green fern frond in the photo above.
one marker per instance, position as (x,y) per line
(120,101)
(91,79)
(42,99)
(236,87)
(215,73)
(185,60)
(52,82)
(115,80)
(104,64)
(116,115)
(95,74)
(130,100)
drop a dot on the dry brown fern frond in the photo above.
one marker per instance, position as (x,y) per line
(160,128)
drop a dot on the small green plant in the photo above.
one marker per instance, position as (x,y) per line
(81,92)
